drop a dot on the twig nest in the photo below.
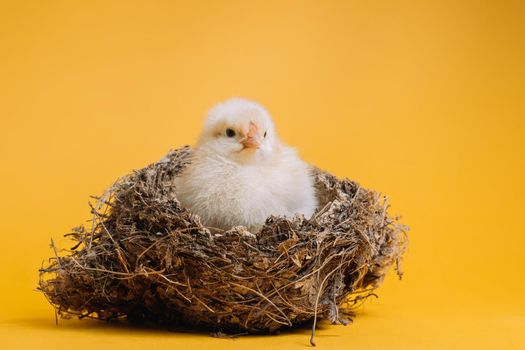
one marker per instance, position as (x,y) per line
(147,258)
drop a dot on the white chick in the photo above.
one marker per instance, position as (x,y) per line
(241,173)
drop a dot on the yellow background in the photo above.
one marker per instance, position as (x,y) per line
(423,101)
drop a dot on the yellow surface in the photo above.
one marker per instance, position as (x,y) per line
(424,101)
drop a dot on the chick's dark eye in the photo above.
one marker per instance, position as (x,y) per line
(230,132)
(264,134)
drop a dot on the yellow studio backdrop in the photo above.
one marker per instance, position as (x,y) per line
(423,101)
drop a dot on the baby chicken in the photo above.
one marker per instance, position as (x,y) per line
(241,173)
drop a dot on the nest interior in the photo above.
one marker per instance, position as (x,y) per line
(147,258)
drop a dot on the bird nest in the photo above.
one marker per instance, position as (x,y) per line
(147,258)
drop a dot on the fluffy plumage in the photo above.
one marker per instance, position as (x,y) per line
(241,173)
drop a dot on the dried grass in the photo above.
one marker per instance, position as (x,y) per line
(147,258)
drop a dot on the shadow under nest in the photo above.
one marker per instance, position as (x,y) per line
(147,258)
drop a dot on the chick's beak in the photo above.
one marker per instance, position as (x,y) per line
(251,139)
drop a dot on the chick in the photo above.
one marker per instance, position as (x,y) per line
(241,173)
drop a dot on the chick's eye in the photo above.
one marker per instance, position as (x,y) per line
(230,132)
(264,134)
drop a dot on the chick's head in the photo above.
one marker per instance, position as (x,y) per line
(239,129)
